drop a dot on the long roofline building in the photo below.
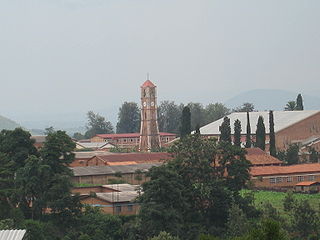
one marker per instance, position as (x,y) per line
(290,126)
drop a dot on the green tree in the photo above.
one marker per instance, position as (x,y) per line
(289,202)
(169,116)
(238,224)
(225,130)
(164,236)
(237,133)
(261,134)
(163,202)
(292,154)
(185,122)
(267,230)
(299,103)
(215,111)
(128,118)
(305,219)
(245,107)
(290,106)
(314,155)
(78,136)
(272,137)
(195,189)
(248,134)
(198,115)
(97,125)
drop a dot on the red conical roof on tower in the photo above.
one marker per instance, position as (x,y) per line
(148,83)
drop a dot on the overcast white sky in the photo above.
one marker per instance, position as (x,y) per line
(59,56)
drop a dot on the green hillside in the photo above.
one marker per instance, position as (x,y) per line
(6,123)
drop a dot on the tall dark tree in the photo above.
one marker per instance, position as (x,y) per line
(237,133)
(128,118)
(261,134)
(185,122)
(292,154)
(225,130)
(248,134)
(272,137)
(197,114)
(169,116)
(199,183)
(97,125)
(299,103)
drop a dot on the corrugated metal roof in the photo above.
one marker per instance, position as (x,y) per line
(114,197)
(283,170)
(107,170)
(282,119)
(12,234)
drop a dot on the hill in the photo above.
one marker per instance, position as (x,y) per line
(272,99)
(8,124)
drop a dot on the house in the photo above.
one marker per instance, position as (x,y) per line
(307,187)
(273,177)
(128,158)
(81,157)
(99,175)
(130,140)
(258,157)
(290,126)
(117,199)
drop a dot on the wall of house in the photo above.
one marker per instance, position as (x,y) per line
(125,208)
(300,131)
(284,181)
(105,179)
(88,190)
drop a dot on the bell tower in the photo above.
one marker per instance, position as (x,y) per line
(149,131)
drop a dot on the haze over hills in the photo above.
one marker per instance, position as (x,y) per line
(272,99)
(6,123)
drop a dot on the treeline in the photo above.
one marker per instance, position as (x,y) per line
(169,118)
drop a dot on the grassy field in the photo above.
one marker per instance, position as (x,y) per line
(276,199)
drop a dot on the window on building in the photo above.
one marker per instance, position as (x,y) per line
(272,180)
(289,179)
(130,208)
(279,179)
(300,178)
(118,209)
(124,140)
(311,178)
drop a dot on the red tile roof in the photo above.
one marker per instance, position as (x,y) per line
(259,157)
(130,135)
(135,157)
(306,183)
(148,83)
(284,170)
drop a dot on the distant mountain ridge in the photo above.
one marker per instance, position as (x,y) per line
(272,99)
(6,123)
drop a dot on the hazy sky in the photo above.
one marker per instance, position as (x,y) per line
(60,56)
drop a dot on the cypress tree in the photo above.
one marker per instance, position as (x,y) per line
(299,103)
(237,133)
(261,134)
(225,130)
(248,135)
(272,136)
(185,122)
(197,131)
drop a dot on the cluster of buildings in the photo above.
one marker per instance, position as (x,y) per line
(111,180)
